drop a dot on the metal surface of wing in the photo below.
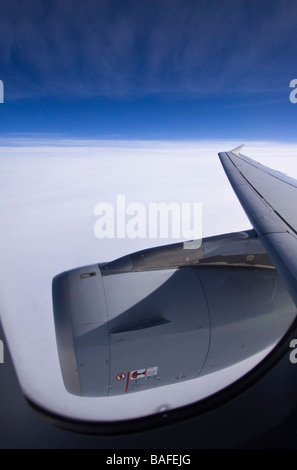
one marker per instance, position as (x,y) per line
(269,199)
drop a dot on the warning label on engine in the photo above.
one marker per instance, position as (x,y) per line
(142,373)
(138,374)
(150,371)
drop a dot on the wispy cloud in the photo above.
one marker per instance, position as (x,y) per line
(49,144)
(116,48)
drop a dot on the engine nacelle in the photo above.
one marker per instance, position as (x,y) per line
(167,314)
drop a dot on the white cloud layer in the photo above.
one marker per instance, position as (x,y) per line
(49,189)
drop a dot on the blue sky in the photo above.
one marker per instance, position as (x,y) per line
(149,69)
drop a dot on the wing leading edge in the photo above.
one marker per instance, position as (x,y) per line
(269,199)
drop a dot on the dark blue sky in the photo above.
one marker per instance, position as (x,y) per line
(160,69)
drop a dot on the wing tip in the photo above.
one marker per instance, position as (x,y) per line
(237,150)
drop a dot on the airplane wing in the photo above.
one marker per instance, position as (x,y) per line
(269,199)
